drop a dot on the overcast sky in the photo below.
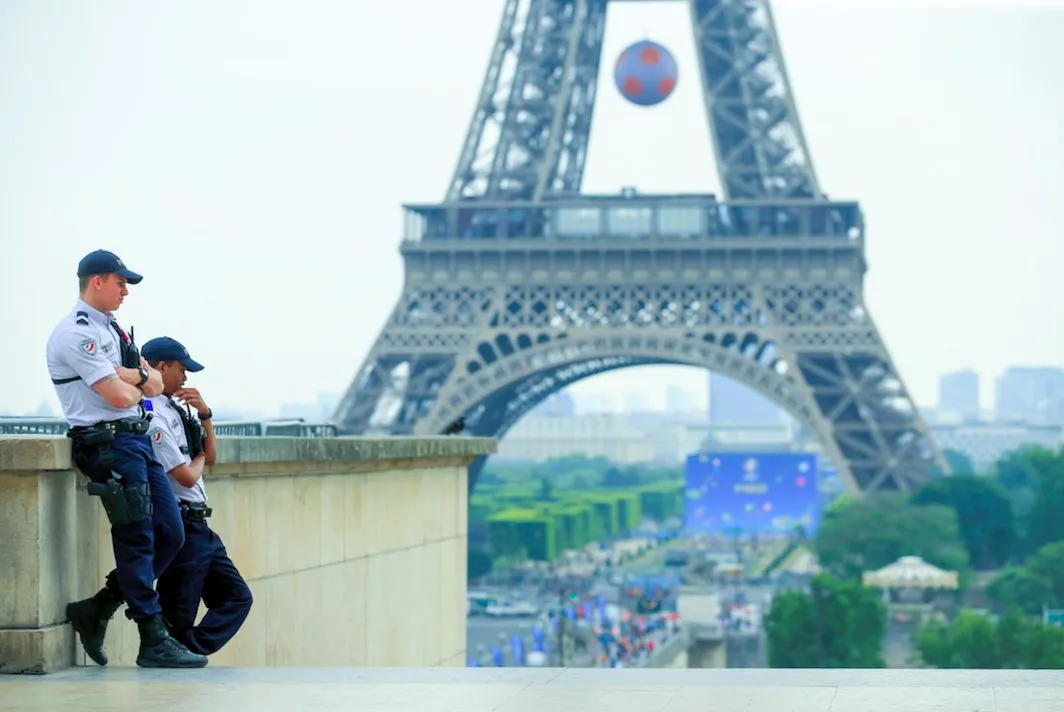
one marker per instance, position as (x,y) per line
(250,159)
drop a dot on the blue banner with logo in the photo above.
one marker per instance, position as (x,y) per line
(751,492)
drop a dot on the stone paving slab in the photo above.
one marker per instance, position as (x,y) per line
(221,689)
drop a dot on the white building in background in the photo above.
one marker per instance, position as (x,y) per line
(608,435)
(641,438)
(958,396)
(986,443)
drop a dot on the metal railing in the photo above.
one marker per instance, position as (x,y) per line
(234,428)
(619,219)
(297,428)
(32,426)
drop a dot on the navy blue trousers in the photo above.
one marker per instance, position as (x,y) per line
(203,570)
(143,549)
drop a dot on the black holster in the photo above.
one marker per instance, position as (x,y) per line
(91,451)
(93,455)
(124,504)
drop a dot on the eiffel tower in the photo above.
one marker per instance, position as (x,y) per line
(517,285)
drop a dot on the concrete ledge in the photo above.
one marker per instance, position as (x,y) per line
(215,689)
(36,650)
(564,678)
(338,539)
(27,453)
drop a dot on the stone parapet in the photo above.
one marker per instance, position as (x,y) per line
(354,548)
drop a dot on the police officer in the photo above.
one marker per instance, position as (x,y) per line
(202,569)
(100,379)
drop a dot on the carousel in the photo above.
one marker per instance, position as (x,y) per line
(911,580)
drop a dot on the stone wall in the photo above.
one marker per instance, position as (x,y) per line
(354,548)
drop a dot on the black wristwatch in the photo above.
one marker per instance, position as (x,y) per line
(210,414)
(143,376)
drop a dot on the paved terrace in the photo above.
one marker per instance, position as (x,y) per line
(528,690)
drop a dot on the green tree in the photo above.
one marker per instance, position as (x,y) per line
(1016,470)
(879,528)
(984,514)
(838,624)
(1018,476)
(1045,523)
(616,477)
(959,463)
(645,474)
(965,642)
(973,641)
(1048,564)
(1016,587)
(563,467)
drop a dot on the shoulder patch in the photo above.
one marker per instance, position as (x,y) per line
(88,345)
(81,318)
(157,436)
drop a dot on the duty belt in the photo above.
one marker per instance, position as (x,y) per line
(194,511)
(137,426)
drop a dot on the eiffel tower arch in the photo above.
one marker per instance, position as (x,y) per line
(518,285)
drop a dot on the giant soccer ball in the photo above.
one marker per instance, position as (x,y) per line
(645,73)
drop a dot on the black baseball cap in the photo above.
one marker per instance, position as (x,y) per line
(166,349)
(104,262)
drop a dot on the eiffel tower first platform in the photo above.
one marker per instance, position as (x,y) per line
(518,285)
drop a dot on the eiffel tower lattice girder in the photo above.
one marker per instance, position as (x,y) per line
(517,285)
(529,134)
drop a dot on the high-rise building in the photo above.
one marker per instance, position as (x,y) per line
(1032,395)
(958,393)
(735,403)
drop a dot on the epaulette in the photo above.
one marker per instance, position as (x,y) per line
(81,318)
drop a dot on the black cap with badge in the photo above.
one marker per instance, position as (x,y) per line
(164,348)
(104,262)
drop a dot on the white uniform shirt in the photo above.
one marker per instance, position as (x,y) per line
(84,347)
(168,440)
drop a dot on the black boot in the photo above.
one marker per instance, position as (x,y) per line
(89,618)
(158,649)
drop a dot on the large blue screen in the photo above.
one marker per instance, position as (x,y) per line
(751,492)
